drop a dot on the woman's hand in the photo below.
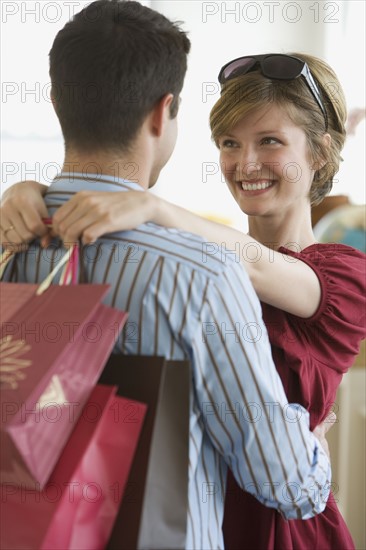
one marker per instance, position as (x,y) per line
(321,430)
(87,215)
(90,214)
(21,212)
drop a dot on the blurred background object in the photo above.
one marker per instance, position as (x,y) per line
(355,116)
(33,149)
(327,204)
(336,220)
(344,224)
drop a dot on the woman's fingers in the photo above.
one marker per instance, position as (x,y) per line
(21,213)
(64,214)
(321,430)
(329,421)
(14,229)
(89,215)
(76,215)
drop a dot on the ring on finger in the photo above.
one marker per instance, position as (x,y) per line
(10,228)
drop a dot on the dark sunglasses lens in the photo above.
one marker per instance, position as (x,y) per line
(236,68)
(282,67)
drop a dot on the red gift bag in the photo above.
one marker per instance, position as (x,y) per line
(78,505)
(53,347)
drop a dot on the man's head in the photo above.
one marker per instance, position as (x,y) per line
(109,67)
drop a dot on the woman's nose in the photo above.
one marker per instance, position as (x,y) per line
(250,169)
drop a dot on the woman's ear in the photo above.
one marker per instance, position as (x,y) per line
(327,140)
(321,161)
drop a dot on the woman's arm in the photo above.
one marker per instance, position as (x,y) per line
(279,280)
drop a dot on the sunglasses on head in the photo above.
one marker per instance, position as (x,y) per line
(275,66)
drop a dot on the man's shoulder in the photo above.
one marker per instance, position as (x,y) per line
(177,246)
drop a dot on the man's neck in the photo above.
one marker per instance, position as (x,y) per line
(125,167)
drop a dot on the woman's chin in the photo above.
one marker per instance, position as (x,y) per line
(252,210)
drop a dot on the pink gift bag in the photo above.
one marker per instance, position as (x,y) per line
(54,343)
(78,506)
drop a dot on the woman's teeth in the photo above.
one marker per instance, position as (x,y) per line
(256,186)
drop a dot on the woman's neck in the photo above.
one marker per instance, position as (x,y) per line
(274,232)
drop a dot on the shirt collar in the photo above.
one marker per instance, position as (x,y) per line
(75,181)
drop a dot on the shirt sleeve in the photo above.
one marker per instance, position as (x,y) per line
(339,324)
(265,440)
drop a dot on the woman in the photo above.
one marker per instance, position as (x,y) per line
(280,135)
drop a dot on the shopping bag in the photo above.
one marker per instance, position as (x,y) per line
(53,347)
(78,505)
(153,511)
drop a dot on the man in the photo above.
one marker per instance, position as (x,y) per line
(127,64)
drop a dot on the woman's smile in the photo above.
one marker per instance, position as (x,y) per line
(255,187)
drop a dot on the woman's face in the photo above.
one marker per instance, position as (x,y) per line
(266,163)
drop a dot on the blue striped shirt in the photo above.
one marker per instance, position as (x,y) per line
(185,303)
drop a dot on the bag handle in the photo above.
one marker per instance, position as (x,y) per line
(69,274)
(70,271)
(5,258)
(69,261)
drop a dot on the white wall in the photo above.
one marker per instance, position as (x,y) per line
(32,145)
(221,31)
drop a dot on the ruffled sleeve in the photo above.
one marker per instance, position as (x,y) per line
(338,326)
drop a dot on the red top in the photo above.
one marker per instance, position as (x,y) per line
(311,356)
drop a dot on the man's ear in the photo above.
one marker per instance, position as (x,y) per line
(53,100)
(161,113)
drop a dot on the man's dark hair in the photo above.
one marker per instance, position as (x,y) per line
(109,66)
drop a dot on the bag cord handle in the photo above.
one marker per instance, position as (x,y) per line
(69,261)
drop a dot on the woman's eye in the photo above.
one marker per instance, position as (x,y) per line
(229,143)
(269,140)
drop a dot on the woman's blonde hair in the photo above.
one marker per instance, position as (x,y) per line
(252,91)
